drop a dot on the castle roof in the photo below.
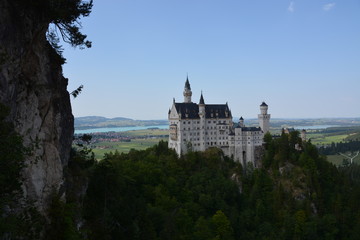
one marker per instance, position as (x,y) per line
(191,110)
(263,104)
(250,129)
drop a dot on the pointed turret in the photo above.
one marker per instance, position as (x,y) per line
(201,99)
(202,115)
(187,84)
(187,91)
(201,106)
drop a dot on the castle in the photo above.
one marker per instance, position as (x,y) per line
(196,127)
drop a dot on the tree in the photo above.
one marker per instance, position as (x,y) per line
(223,229)
(62,18)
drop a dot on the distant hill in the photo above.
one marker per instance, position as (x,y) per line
(291,122)
(102,122)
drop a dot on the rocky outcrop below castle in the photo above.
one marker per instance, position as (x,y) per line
(33,87)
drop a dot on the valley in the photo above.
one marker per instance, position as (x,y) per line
(321,132)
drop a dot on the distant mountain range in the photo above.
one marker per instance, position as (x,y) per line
(103,122)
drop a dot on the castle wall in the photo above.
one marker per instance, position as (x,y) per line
(194,129)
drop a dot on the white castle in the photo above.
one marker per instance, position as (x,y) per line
(196,127)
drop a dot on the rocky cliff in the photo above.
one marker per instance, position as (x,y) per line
(32,85)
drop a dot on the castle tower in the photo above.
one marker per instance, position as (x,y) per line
(264,118)
(241,122)
(202,115)
(202,107)
(187,91)
(303,135)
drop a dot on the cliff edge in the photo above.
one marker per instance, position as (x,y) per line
(33,87)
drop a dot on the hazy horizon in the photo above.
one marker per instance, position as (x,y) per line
(236,117)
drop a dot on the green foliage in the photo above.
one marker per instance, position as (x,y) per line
(77,91)
(62,221)
(222,226)
(153,194)
(65,213)
(63,18)
(335,148)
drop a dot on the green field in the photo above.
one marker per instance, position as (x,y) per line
(101,148)
(338,159)
(321,139)
(142,139)
(147,132)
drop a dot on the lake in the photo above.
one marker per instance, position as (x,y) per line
(119,129)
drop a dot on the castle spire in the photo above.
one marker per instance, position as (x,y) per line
(201,99)
(187,84)
(187,91)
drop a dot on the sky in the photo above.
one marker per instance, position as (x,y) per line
(301,57)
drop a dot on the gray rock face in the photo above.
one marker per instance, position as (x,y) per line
(32,85)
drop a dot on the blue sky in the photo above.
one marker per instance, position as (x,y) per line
(301,57)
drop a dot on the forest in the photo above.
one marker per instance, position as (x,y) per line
(153,194)
(334,148)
